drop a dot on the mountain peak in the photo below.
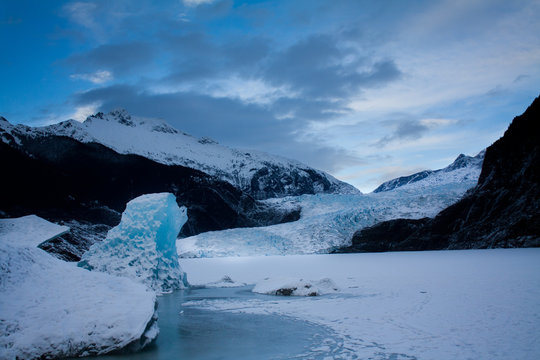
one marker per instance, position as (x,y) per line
(119,115)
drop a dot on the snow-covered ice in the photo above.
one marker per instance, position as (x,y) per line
(30,230)
(143,246)
(50,308)
(224,282)
(328,221)
(295,287)
(466,304)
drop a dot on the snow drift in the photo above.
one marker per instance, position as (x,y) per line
(143,246)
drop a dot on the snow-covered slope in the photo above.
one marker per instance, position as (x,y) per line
(259,174)
(50,308)
(463,169)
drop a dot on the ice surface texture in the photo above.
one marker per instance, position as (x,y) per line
(50,308)
(143,246)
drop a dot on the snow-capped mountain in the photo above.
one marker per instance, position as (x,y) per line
(259,174)
(464,168)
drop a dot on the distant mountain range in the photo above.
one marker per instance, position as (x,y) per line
(503,210)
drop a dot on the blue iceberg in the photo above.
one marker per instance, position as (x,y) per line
(143,246)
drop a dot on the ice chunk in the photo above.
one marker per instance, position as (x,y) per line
(29,230)
(52,309)
(143,245)
(295,287)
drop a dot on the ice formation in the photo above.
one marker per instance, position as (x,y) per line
(50,308)
(295,287)
(142,247)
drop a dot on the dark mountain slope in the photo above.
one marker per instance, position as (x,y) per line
(503,210)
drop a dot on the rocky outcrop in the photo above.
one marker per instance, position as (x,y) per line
(503,210)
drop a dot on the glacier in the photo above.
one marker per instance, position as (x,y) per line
(50,308)
(142,247)
(328,221)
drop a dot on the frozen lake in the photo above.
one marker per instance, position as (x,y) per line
(475,304)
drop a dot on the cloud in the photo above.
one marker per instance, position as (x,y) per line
(98,77)
(119,58)
(82,112)
(81,13)
(197,2)
(410,128)
(318,66)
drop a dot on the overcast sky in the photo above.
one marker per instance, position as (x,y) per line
(366,90)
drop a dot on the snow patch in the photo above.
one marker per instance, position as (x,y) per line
(143,246)
(29,231)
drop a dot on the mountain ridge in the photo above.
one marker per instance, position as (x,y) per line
(259,174)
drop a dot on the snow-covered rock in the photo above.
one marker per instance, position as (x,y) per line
(295,287)
(143,246)
(225,282)
(29,231)
(50,308)
(259,174)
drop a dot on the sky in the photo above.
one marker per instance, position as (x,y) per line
(365,90)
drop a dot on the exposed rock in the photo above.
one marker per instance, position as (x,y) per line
(383,236)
